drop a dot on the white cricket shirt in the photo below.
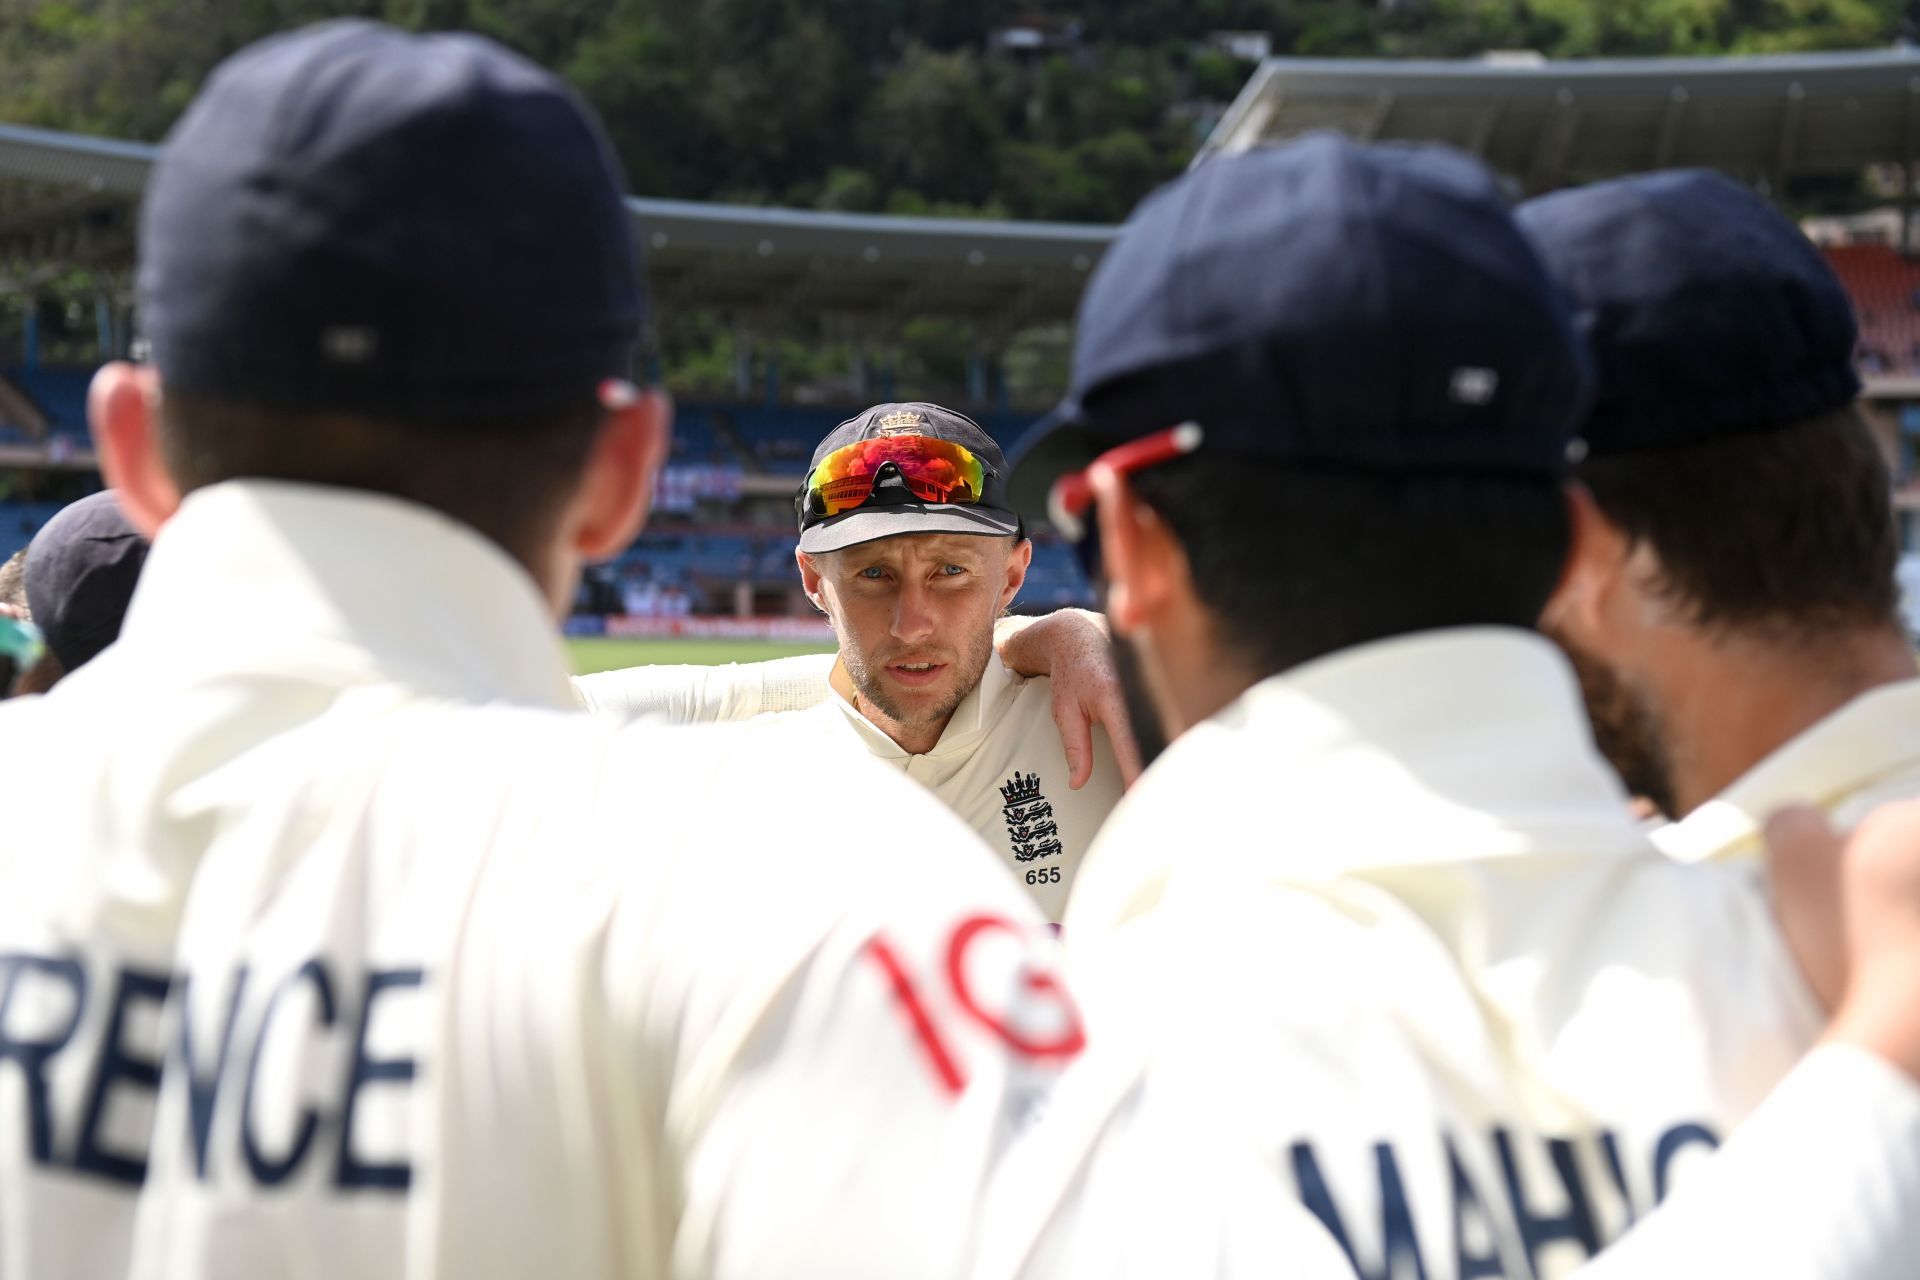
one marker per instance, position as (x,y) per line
(1383,930)
(999,764)
(1863,755)
(334,943)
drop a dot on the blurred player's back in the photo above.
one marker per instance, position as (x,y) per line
(1448,996)
(444,998)
(1377,918)
(331,942)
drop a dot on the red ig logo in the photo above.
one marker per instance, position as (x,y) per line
(1045,988)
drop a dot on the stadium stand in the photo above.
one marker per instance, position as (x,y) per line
(781,438)
(694,440)
(1885,288)
(724,541)
(59,391)
(1545,124)
(19,521)
(704,543)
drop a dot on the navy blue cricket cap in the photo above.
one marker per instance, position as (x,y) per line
(893,509)
(1709,314)
(80,573)
(356,220)
(1327,304)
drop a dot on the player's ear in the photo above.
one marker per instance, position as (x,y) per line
(810,578)
(628,451)
(1144,564)
(1597,554)
(123,412)
(1019,560)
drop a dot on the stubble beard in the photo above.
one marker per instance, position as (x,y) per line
(1626,727)
(971,664)
(1149,730)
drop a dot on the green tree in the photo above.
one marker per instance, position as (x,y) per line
(930,128)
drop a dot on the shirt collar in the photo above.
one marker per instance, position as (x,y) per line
(343,587)
(965,728)
(1870,738)
(1445,746)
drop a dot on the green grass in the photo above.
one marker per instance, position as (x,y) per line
(602,654)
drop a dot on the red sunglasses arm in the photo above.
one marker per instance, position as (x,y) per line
(1072,493)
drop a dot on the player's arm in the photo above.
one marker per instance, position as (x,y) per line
(1073,649)
(694,694)
(1068,646)
(1823,1180)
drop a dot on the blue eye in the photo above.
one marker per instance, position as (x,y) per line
(952,570)
(872,572)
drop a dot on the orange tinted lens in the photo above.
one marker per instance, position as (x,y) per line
(934,470)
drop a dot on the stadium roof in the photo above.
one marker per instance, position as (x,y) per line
(1547,124)
(68,200)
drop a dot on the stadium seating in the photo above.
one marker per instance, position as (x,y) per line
(691,558)
(1885,288)
(1054,578)
(668,563)
(781,439)
(694,441)
(19,521)
(60,392)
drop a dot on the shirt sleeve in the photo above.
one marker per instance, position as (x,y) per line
(694,694)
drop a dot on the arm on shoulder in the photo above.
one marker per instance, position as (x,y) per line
(1073,649)
(687,694)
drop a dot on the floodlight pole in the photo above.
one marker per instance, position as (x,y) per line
(1910,140)
(976,371)
(1906,209)
(742,363)
(103,326)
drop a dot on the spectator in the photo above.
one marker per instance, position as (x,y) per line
(78,577)
(13,584)
(21,647)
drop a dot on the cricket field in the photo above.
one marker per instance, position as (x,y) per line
(601,654)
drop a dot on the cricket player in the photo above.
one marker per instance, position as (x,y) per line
(1735,615)
(334,940)
(1069,648)
(1376,926)
(78,578)
(908,546)
(22,648)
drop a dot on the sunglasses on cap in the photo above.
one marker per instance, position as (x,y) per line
(932,469)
